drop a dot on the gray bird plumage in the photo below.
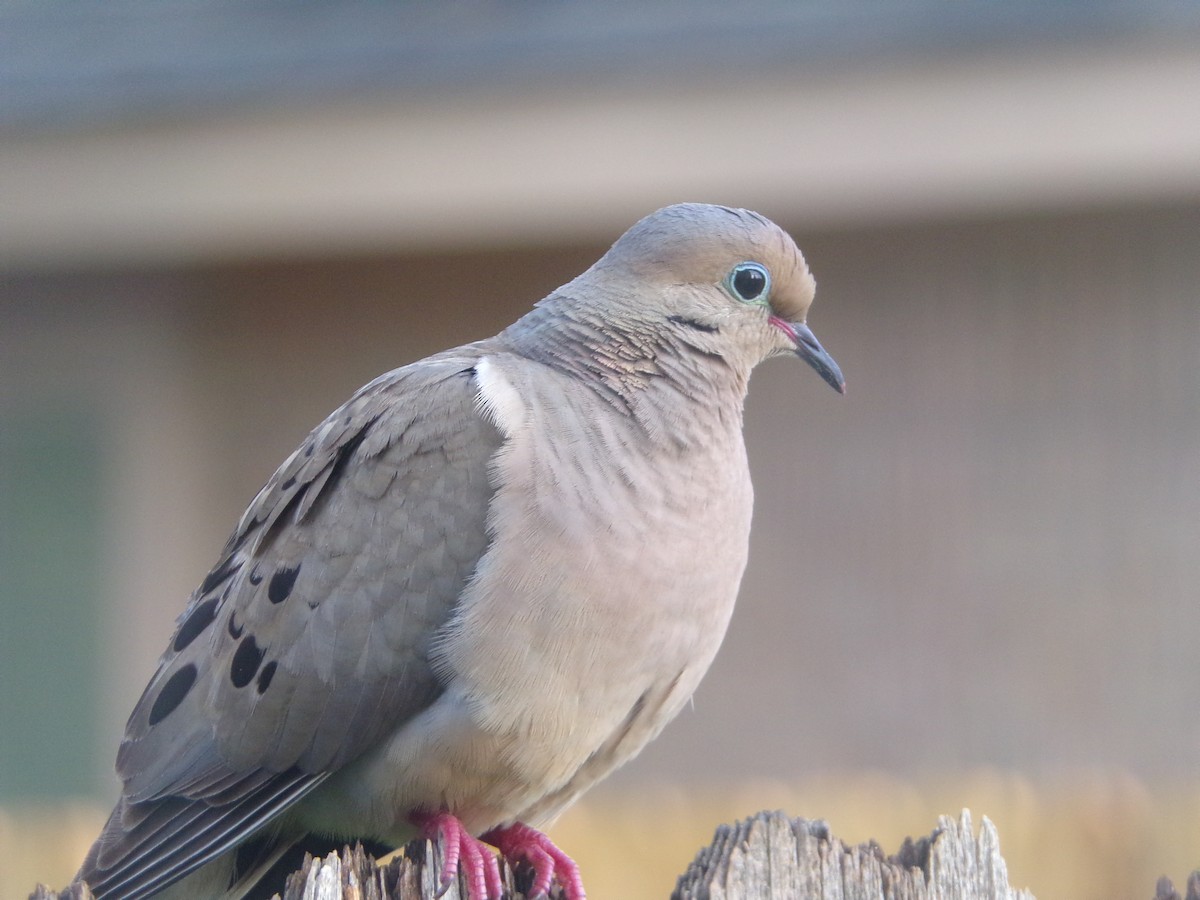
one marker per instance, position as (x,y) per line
(481,584)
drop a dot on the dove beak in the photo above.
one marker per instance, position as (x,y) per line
(809,349)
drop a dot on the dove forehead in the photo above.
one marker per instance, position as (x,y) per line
(699,243)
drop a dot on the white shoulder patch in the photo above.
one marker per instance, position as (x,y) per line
(498,399)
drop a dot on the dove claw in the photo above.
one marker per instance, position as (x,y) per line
(462,852)
(518,842)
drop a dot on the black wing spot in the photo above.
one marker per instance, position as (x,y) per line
(172,693)
(219,574)
(198,620)
(235,630)
(246,660)
(289,483)
(255,576)
(282,582)
(265,676)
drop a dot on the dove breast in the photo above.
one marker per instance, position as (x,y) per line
(602,597)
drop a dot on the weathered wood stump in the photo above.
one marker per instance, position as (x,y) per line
(353,874)
(772,857)
(765,857)
(1166,890)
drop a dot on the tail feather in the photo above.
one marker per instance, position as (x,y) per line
(147,847)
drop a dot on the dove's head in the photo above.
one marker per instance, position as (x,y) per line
(729,281)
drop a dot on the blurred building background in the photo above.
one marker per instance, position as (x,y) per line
(975,580)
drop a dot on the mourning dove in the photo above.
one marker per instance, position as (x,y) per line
(478,587)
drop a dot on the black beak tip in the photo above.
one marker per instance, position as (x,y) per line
(833,376)
(811,351)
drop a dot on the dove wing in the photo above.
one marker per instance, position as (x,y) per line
(310,639)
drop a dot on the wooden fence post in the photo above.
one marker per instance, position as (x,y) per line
(765,857)
(772,857)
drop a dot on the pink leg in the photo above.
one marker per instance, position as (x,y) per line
(520,842)
(475,858)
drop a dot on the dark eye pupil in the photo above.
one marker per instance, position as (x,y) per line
(749,283)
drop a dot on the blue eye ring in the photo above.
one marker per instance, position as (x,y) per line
(750,282)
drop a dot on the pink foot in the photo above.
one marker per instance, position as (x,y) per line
(520,842)
(474,857)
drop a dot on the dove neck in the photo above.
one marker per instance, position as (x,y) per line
(637,363)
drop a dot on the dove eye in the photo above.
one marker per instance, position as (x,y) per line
(749,281)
